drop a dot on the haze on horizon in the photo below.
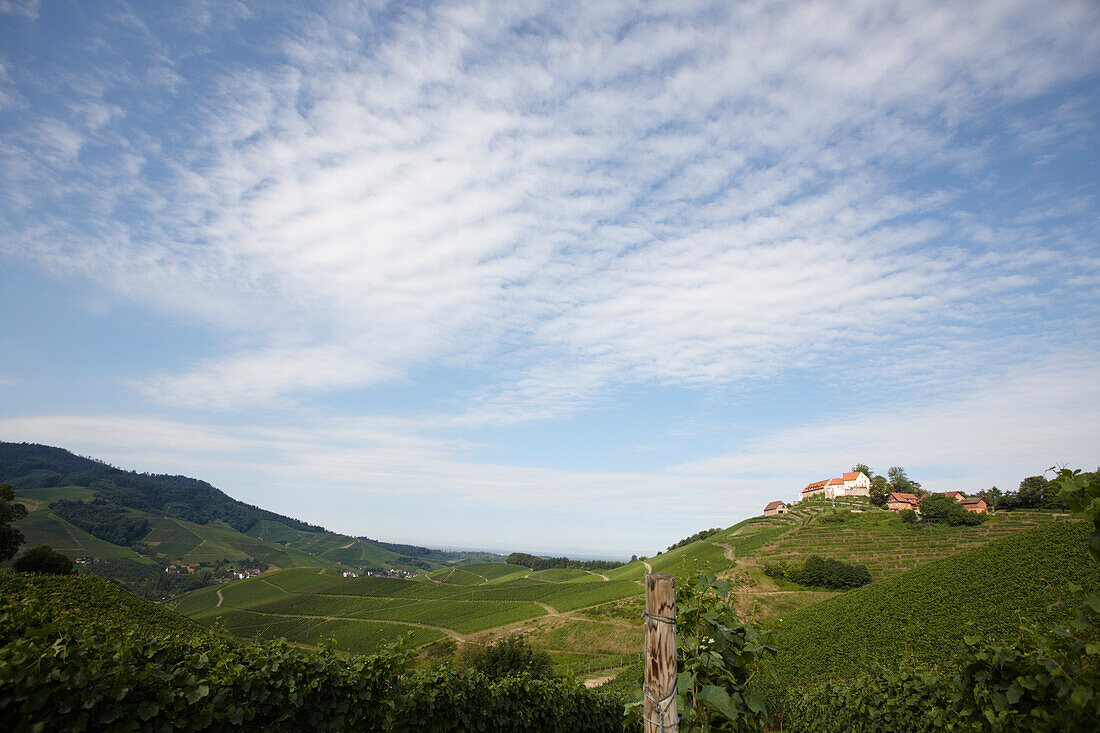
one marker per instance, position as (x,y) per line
(584,277)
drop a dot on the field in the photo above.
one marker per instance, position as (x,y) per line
(923,614)
(586,620)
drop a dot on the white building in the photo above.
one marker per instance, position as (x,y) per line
(849,484)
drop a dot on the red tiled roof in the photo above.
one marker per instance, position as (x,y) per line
(907,498)
(773,505)
(836,482)
(973,500)
(852,476)
(953,494)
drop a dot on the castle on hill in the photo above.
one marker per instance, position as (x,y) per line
(849,484)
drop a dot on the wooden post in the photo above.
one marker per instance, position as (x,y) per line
(660,708)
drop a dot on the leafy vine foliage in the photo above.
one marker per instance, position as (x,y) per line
(720,661)
(61,671)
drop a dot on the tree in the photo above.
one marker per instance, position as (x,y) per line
(864,469)
(10,537)
(508,657)
(879,491)
(902,484)
(937,508)
(43,560)
(1033,490)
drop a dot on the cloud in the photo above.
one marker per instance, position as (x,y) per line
(398,479)
(567,199)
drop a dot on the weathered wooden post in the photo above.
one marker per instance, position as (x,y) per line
(660,711)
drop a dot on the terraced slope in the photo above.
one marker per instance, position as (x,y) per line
(308,605)
(922,614)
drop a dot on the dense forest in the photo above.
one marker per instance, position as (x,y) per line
(29,465)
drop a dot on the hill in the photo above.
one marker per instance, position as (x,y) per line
(922,615)
(136,524)
(80,654)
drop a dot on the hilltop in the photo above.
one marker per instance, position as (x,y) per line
(137,524)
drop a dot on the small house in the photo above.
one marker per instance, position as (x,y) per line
(897,502)
(975,504)
(775,508)
(956,495)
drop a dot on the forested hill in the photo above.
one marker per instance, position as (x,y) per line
(29,465)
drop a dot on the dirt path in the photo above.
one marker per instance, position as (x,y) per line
(218,592)
(648,567)
(597,681)
(549,609)
(601,575)
(728,550)
(346,546)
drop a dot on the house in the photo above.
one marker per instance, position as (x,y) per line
(848,484)
(350,574)
(775,508)
(975,504)
(956,495)
(899,502)
(171,569)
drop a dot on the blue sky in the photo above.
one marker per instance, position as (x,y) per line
(571,277)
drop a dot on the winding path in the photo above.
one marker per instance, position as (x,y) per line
(218,592)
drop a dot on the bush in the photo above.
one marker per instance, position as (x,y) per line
(908,516)
(937,508)
(830,573)
(836,516)
(777,569)
(43,560)
(510,656)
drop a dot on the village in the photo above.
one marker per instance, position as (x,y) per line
(857,483)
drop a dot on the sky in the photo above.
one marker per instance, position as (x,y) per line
(556,277)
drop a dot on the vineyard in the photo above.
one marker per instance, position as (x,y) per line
(78,654)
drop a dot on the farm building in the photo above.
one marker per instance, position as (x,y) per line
(848,484)
(775,508)
(975,504)
(898,502)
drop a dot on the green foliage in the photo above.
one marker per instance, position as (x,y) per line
(939,508)
(536,562)
(908,516)
(511,656)
(829,573)
(65,672)
(42,560)
(719,661)
(1036,682)
(920,617)
(900,482)
(10,537)
(1081,493)
(103,519)
(695,538)
(178,496)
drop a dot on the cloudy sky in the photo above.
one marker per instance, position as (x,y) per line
(576,277)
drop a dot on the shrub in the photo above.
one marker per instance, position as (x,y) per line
(937,508)
(908,516)
(829,573)
(43,560)
(777,569)
(510,656)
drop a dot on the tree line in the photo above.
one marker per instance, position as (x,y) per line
(536,562)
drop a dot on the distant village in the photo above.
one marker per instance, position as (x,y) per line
(859,484)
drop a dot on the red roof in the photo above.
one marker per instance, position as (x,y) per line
(953,494)
(836,482)
(907,498)
(973,500)
(852,476)
(773,505)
